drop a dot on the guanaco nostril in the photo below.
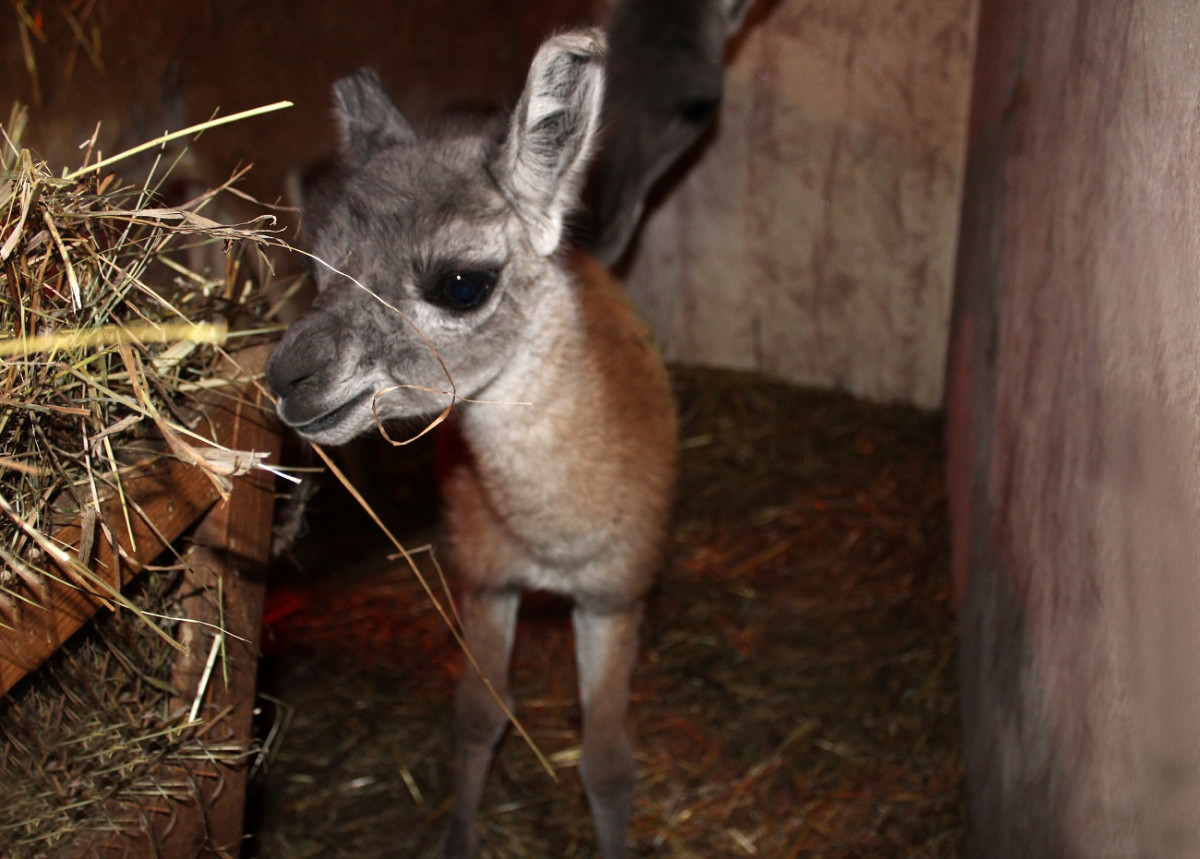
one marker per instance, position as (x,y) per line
(299,356)
(282,375)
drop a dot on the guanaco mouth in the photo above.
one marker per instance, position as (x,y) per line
(332,418)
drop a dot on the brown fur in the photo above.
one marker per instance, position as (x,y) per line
(573,498)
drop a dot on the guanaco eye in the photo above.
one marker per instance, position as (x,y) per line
(697,111)
(463,290)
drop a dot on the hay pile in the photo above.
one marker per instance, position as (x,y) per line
(115,311)
(93,750)
(107,338)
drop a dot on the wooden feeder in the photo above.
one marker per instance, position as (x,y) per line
(227,552)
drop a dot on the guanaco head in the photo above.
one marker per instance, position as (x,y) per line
(436,253)
(666,66)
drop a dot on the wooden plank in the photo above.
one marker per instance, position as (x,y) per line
(224,584)
(226,578)
(1073,429)
(171,495)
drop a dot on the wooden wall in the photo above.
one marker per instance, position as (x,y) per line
(139,69)
(1074,430)
(814,238)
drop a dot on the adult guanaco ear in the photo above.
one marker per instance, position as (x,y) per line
(735,13)
(367,119)
(552,132)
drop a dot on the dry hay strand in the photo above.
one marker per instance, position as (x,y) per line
(99,745)
(31,30)
(108,338)
(795,696)
(115,312)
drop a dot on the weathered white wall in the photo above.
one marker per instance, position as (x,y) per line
(814,238)
(1073,420)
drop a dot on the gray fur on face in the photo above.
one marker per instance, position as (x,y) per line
(403,211)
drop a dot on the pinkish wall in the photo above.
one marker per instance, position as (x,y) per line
(814,238)
(1074,430)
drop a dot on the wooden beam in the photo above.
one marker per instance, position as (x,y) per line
(170,495)
(225,582)
(223,587)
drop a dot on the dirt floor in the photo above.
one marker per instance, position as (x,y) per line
(795,695)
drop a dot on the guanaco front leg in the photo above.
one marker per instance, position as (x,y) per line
(606,643)
(489,619)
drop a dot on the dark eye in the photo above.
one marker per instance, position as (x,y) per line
(463,290)
(697,110)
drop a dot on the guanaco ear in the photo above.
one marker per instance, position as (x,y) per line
(552,133)
(735,13)
(367,119)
